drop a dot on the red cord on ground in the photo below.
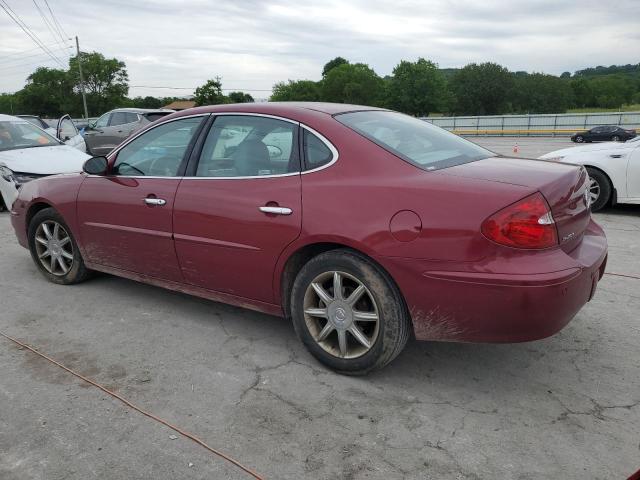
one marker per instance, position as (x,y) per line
(138,409)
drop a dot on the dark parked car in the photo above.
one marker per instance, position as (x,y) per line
(359,224)
(113,127)
(604,134)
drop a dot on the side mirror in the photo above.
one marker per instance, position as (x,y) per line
(96,166)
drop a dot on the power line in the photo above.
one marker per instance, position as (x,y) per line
(13,54)
(6,68)
(193,88)
(3,62)
(57,23)
(25,28)
(48,24)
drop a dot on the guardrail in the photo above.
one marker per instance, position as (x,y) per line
(534,125)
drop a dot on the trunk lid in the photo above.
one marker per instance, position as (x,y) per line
(563,185)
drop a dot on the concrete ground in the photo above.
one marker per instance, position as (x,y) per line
(565,407)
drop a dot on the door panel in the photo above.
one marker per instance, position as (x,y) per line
(118,229)
(633,174)
(126,218)
(224,242)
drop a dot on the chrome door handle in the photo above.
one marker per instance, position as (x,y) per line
(155,201)
(276,210)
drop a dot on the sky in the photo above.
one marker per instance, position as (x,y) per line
(252,44)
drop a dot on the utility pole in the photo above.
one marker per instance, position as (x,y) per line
(84,97)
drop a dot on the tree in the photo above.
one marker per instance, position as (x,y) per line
(483,89)
(147,102)
(240,97)
(541,93)
(210,93)
(417,88)
(106,81)
(336,62)
(296,91)
(8,103)
(47,93)
(353,83)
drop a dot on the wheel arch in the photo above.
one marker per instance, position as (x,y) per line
(614,190)
(34,208)
(290,265)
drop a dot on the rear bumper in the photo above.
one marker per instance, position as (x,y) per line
(480,306)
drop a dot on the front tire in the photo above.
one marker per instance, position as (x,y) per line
(599,189)
(54,250)
(579,139)
(348,312)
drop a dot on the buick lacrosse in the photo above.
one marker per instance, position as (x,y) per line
(363,226)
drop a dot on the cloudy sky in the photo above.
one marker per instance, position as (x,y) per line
(252,44)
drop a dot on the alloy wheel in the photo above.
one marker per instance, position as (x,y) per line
(579,139)
(54,248)
(341,314)
(615,138)
(594,190)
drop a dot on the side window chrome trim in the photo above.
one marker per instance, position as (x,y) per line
(133,137)
(328,144)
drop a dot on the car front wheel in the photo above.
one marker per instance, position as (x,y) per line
(54,250)
(348,312)
(599,189)
(579,139)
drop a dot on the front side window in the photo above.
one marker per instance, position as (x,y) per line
(103,121)
(67,129)
(158,152)
(19,134)
(418,142)
(249,146)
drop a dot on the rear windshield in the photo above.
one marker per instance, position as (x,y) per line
(418,142)
(152,117)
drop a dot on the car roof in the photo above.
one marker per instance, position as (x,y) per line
(280,107)
(143,110)
(5,118)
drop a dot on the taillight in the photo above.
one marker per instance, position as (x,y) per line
(528,223)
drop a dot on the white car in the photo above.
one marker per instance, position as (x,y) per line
(614,170)
(65,130)
(28,152)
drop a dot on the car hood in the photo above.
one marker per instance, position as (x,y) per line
(596,147)
(44,160)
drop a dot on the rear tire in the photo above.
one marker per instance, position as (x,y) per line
(54,249)
(599,188)
(615,138)
(361,329)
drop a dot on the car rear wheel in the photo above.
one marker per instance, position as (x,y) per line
(599,189)
(579,139)
(615,138)
(54,250)
(349,313)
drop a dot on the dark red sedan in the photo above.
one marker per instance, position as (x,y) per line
(362,225)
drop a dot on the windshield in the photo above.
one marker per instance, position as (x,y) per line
(418,142)
(16,134)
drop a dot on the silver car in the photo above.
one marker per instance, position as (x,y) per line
(113,127)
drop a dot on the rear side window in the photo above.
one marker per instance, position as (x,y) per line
(249,146)
(316,152)
(122,118)
(418,142)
